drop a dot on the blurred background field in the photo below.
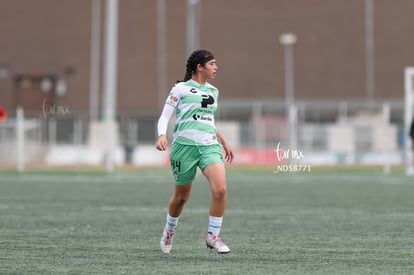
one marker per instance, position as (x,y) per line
(337,222)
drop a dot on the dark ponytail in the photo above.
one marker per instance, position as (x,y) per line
(197,57)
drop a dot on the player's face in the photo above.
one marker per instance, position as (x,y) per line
(210,69)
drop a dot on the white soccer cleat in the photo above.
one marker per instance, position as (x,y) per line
(166,241)
(216,243)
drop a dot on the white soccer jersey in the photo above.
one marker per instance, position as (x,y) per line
(195,107)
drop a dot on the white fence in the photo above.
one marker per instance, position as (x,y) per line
(326,134)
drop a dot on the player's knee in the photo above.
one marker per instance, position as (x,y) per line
(220,193)
(181,199)
(184,198)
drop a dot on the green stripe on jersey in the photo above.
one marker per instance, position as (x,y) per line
(195,125)
(186,141)
(191,99)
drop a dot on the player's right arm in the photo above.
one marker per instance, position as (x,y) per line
(162,127)
(168,110)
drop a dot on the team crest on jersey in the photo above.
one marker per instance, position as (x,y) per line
(173,98)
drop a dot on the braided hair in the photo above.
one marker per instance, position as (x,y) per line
(197,57)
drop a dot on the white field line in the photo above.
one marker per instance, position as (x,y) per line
(233,179)
(187,210)
(84,178)
(239,211)
(167,180)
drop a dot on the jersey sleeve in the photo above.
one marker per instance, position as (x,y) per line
(169,107)
(164,119)
(174,97)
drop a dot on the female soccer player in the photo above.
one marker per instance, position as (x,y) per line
(196,143)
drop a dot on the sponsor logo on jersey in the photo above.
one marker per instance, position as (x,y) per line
(205,118)
(207,100)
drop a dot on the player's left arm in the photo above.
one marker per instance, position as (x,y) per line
(226,146)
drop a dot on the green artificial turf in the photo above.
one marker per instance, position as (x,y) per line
(318,222)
